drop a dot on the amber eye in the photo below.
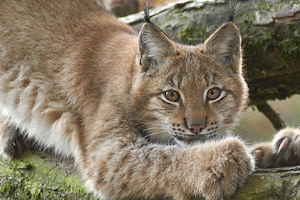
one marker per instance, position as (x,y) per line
(172,95)
(213,93)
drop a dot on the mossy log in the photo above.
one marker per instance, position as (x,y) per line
(271,43)
(271,184)
(40,176)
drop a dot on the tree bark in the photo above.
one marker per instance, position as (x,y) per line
(271,41)
(271,184)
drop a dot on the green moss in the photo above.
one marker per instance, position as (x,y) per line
(269,52)
(33,178)
(192,35)
(291,43)
(270,194)
(262,187)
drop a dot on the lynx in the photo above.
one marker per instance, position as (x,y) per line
(141,115)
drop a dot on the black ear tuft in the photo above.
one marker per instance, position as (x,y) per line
(146,12)
(233,7)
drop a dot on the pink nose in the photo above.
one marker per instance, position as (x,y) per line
(196,128)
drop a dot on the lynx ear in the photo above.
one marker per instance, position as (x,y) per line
(225,45)
(154,46)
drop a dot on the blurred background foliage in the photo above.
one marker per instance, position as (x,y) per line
(255,127)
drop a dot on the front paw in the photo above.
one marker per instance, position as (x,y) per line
(11,142)
(283,150)
(231,165)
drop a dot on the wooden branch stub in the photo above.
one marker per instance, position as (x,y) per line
(271,114)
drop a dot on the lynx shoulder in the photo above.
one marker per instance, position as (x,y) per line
(75,79)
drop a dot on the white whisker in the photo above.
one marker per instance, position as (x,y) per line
(169,140)
(152,134)
(243,127)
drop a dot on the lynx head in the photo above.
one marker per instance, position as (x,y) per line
(188,93)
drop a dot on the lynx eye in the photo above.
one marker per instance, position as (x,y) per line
(172,95)
(213,93)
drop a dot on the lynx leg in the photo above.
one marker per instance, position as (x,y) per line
(11,142)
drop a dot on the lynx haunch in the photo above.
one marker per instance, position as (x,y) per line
(141,115)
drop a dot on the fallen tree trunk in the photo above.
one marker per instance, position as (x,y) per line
(271,42)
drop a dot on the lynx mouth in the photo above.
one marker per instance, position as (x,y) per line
(199,137)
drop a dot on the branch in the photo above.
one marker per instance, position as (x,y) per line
(273,116)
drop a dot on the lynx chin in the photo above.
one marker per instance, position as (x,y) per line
(76,80)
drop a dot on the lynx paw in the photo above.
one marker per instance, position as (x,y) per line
(11,143)
(232,166)
(283,150)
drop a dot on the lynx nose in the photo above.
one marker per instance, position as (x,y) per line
(196,128)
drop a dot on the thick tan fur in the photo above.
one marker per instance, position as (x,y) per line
(75,79)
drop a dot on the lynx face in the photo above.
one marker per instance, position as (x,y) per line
(196,92)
